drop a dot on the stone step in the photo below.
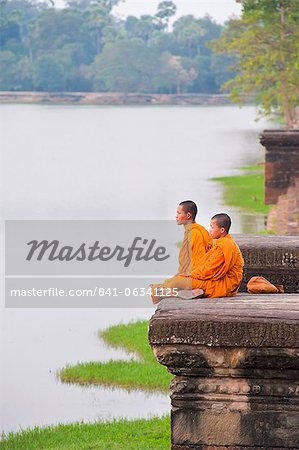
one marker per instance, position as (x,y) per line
(274,257)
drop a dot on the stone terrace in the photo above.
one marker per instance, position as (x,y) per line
(235,362)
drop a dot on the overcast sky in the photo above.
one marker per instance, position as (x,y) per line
(220,10)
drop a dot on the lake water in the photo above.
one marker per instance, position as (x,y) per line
(67,162)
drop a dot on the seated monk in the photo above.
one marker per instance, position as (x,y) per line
(197,240)
(195,245)
(220,272)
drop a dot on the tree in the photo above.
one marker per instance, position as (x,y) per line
(83,4)
(124,66)
(265,44)
(8,70)
(175,73)
(98,20)
(188,32)
(166,9)
(9,30)
(83,46)
(70,57)
(25,75)
(48,73)
(146,27)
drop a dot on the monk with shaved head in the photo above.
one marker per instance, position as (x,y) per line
(195,245)
(196,241)
(219,273)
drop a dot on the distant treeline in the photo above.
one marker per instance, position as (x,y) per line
(84,47)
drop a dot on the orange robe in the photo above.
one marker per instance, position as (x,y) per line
(219,274)
(195,245)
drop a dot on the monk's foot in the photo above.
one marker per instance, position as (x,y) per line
(280,288)
(156,299)
(157,296)
(189,294)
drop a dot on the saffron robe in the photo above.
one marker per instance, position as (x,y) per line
(219,274)
(195,245)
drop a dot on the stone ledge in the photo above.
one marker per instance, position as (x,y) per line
(246,320)
(280,138)
(226,447)
(269,242)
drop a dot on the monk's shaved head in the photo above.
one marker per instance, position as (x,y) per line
(223,221)
(189,206)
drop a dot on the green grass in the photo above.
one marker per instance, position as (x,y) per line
(141,434)
(266,232)
(152,434)
(144,373)
(245,191)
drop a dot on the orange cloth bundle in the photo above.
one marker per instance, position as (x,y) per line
(259,285)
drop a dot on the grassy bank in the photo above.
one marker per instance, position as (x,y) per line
(245,191)
(152,434)
(143,372)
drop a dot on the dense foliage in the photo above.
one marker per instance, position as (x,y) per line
(265,43)
(84,47)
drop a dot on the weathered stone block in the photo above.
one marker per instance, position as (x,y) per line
(274,257)
(236,365)
(282,161)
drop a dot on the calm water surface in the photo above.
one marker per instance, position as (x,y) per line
(66,162)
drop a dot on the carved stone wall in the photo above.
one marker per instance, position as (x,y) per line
(274,257)
(282,162)
(236,365)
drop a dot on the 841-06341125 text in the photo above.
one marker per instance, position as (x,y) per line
(96,291)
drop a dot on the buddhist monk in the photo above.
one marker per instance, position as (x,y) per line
(196,243)
(220,272)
